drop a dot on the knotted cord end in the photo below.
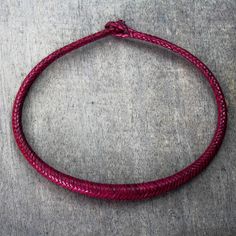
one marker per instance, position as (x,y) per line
(118,28)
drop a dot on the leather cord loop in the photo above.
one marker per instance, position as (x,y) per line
(119,191)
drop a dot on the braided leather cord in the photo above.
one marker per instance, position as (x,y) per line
(119,191)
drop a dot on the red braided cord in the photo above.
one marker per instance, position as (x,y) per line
(119,191)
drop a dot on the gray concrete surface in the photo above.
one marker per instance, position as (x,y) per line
(117,111)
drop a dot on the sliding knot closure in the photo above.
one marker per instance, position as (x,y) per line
(118,28)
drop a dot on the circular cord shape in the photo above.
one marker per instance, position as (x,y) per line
(137,191)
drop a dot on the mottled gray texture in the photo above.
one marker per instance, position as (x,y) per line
(117,111)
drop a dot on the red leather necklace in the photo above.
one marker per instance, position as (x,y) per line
(119,191)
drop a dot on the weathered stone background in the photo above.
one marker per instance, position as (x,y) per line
(117,111)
